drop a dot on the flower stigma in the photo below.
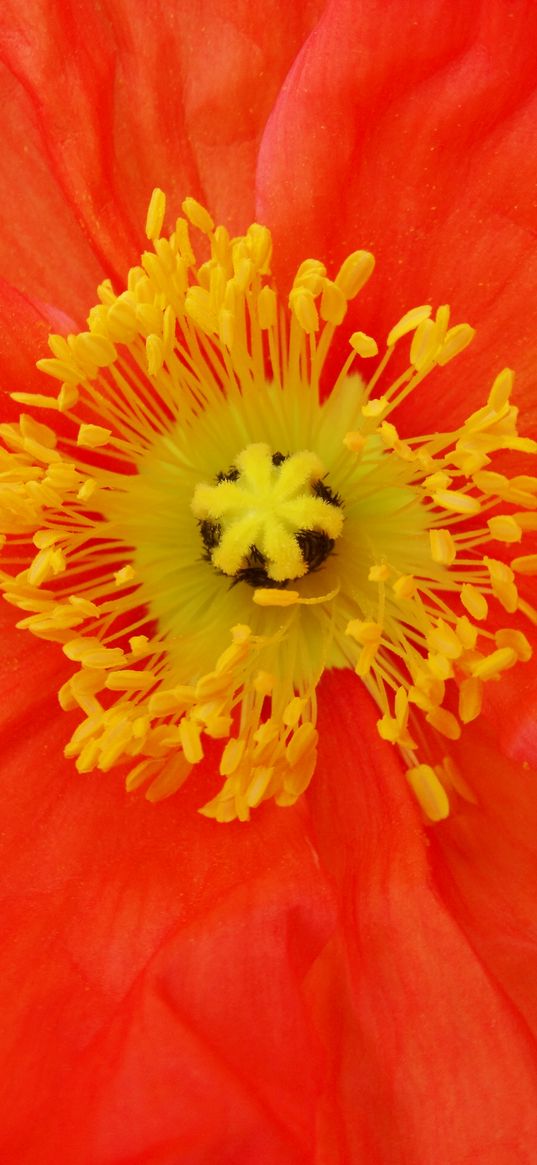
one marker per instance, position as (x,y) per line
(270,519)
(205,532)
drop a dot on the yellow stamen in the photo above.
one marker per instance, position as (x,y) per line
(429,792)
(170,535)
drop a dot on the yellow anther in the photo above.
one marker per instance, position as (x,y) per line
(474,601)
(310,275)
(457,339)
(214,683)
(526,521)
(424,344)
(232,756)
(149,318)
(525,564)
(363,345)
(125,576)
(67,398)
(354,273)
(303,307)
(333,303)
(266,308)
(364,632)
(303,741)
(36,400)
(87,489)
(456,502)
(494,664)
(438,480)
(375,408)
(440,666)
(405,586)
(505,528)
(36,432)
(470,699)
(443,549)
(163,703)
(184,246)
(466,633)
(198,215)
(129,680)
(354,442)
(199,307)
(379,573)
(90,653)
(189,732)
(272,597)
(258,785)
(93,436)
(92,350)
(259,241)
(367,658)
(44,538)
(61,370)
(501,578)
(155,214)
(444,722)
(429,792)
(408,323)
(444,640)
(501,390)
(138,645)
(46,565)
(516,640)
(490,482)
(121,319)
(293,711)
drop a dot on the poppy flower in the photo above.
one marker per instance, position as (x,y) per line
(332,980)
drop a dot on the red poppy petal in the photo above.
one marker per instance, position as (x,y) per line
(26,324)
(485,860)
(432,109)
(114,99)
(511,707)
(153,961)
(421,1040)
(43,248)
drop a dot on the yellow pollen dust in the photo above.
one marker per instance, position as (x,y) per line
(205,531)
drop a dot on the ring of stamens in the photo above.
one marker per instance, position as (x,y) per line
(103,521)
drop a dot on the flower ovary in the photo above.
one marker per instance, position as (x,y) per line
(269,519)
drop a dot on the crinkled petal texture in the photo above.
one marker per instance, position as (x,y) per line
(432,108)
(408,129)
(426,994)
(152,988)
(107,101)
(326,985)
(303,990)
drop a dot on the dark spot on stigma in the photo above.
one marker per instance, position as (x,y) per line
(231,474)
(254,571)
(211,533)
(315,546)
(323,491)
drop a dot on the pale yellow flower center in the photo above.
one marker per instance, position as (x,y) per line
(270,519)
(204,534)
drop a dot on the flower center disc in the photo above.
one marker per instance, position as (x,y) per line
(270,518)
(196,433)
